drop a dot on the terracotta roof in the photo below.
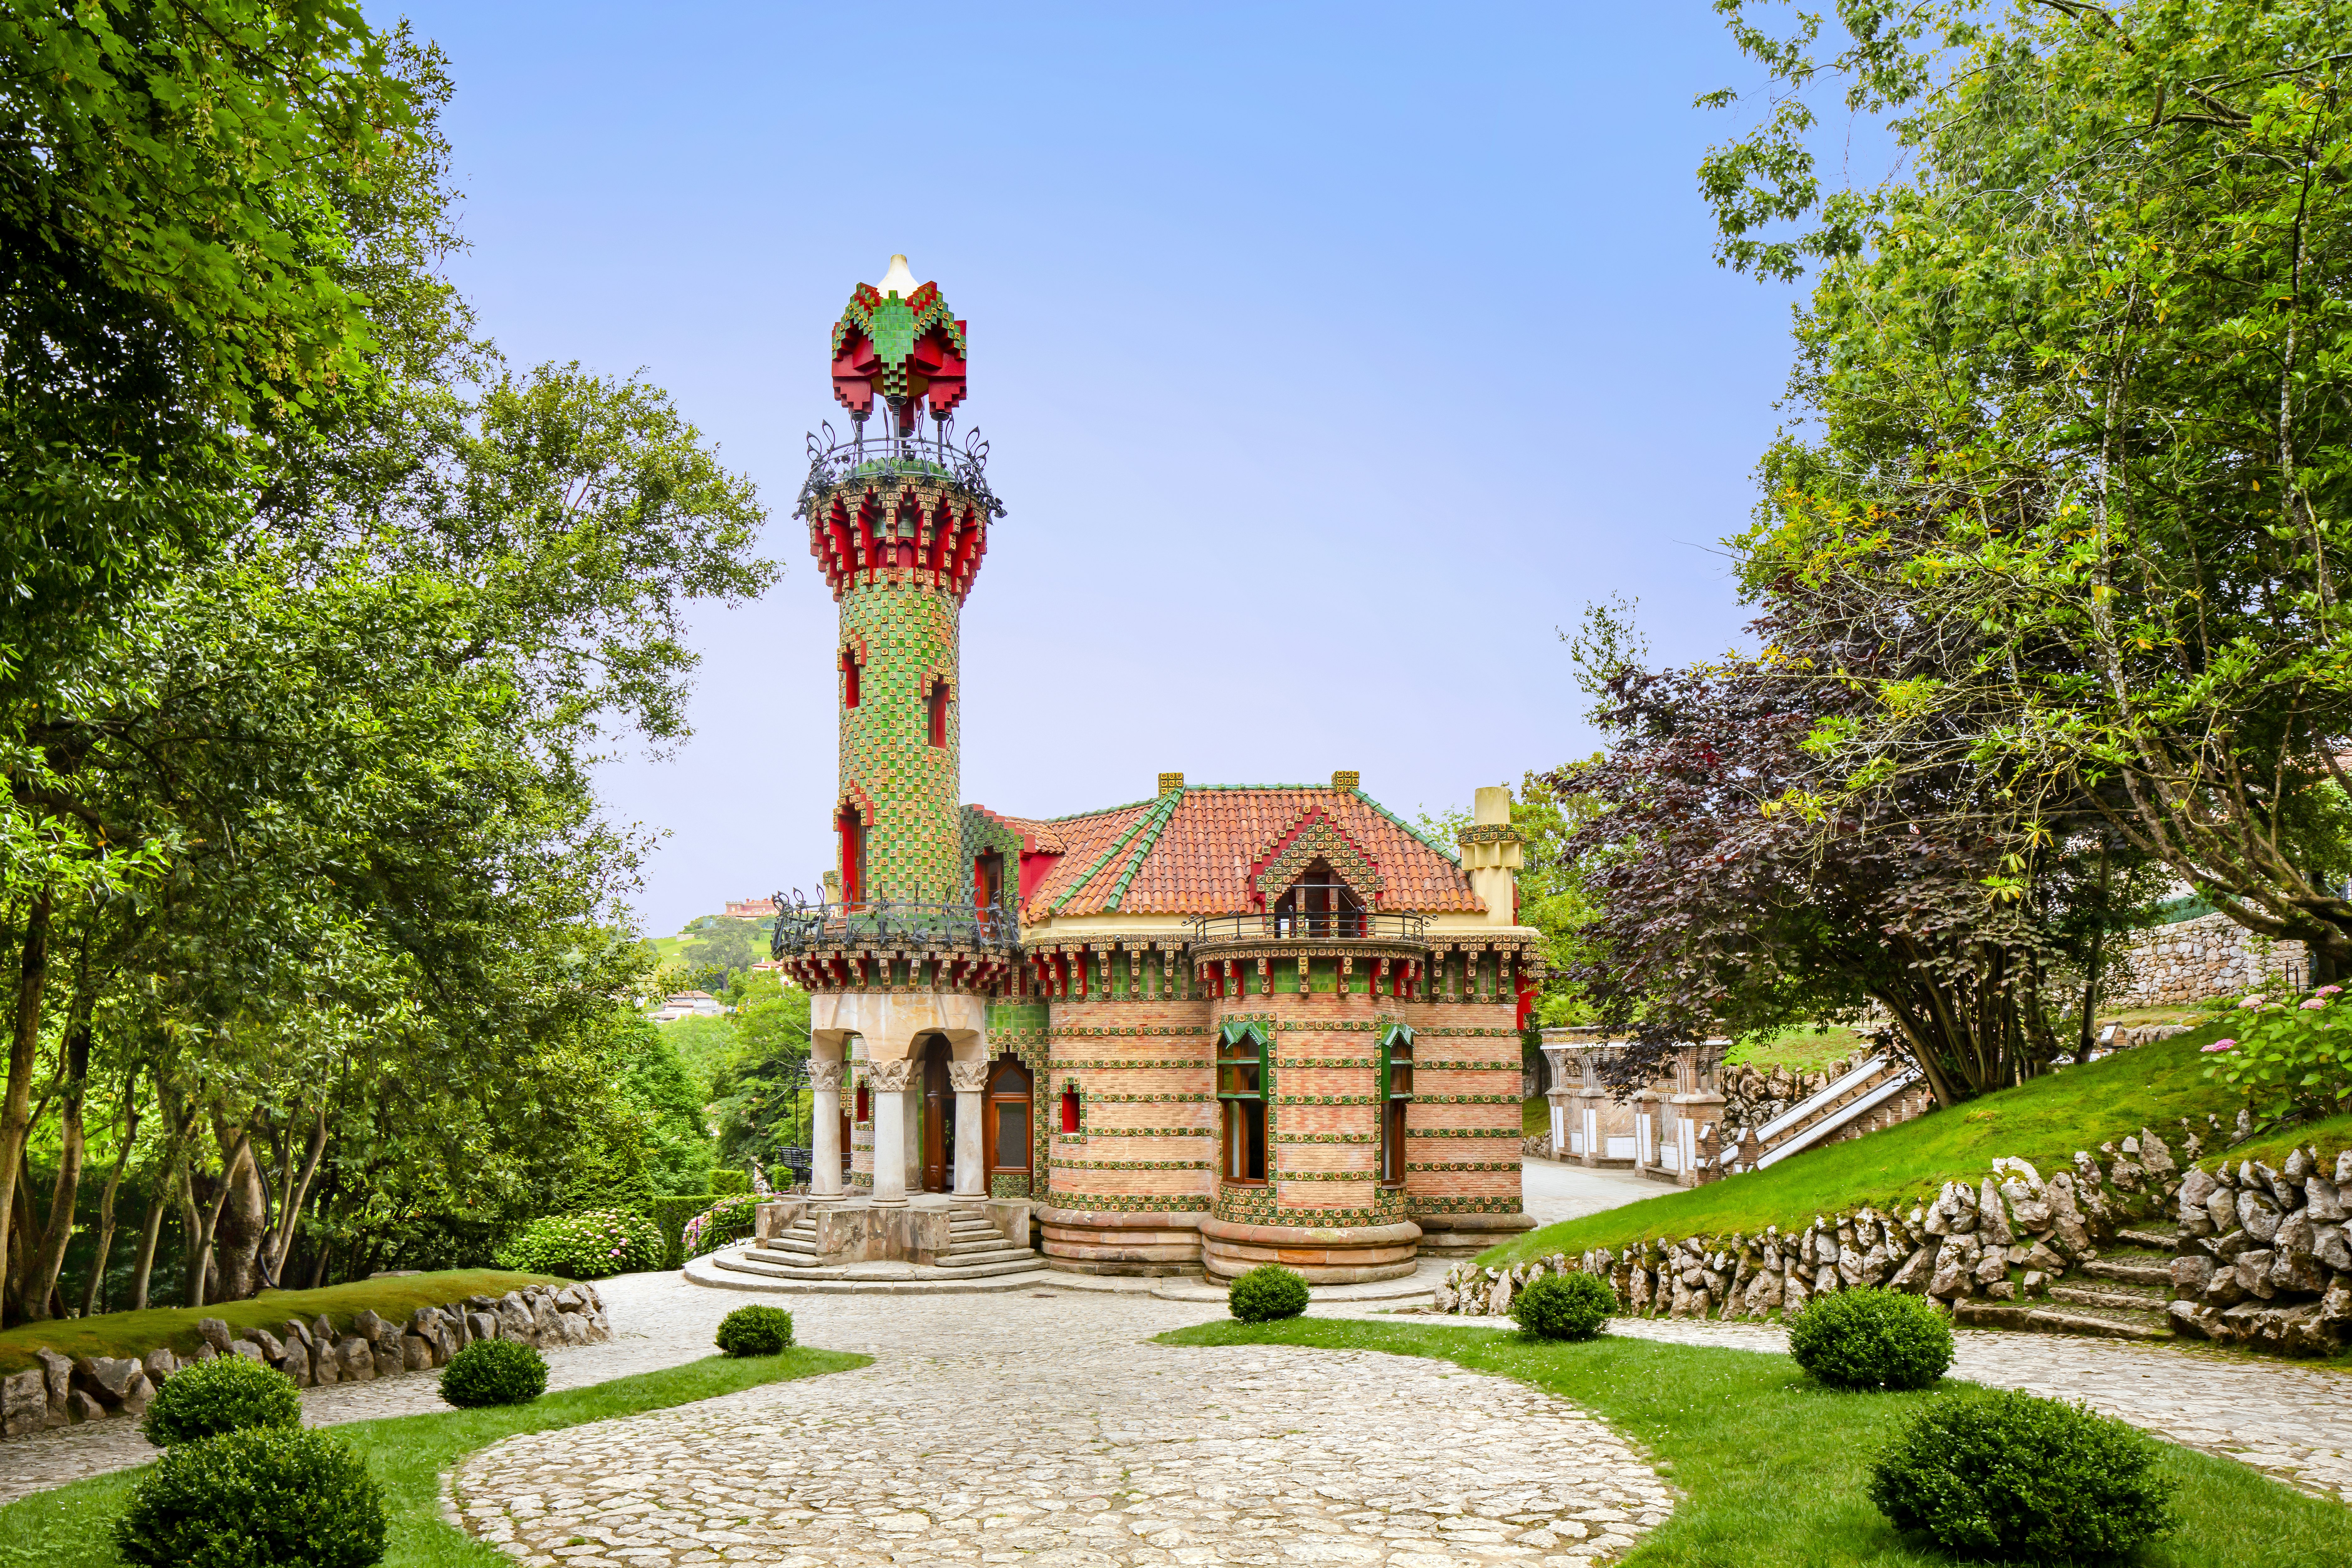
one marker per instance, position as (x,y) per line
(1036,837)
(1196,851)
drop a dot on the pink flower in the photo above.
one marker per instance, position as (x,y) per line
(2328,991)
(2256,1000)
(2315,1003)
(2223,1046)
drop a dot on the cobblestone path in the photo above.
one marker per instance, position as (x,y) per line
(1057,1435)
(2293,1420)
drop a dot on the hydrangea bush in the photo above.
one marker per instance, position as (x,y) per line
(588,1246)
(2289,1054)
(728,1219)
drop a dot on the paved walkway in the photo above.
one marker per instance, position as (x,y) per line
(2293,1419)
(1551,1191)
(1045,1428)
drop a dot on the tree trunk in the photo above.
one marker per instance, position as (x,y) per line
(93,1299)
(237,1232)
(50,1261)
(169,1185)
(25,1038)
(200,1266)
(291,1200)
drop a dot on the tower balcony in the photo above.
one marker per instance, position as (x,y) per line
(1212,936)
(888,456)
(895,944)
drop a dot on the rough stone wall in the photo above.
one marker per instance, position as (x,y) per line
(2192,959)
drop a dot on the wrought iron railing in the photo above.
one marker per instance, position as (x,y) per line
(1339,924)
(802,926)
(886,454)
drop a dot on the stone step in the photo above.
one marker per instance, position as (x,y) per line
(2126,1299)
(961,1259)
(2130,1272)
(1020,1263)
(2157,1240)
(2120,1325)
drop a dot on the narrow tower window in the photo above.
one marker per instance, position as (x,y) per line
(853,856)
(1069,1110)
(1241,1097)
(1396,1094)
(939,713)
(848,679)
(987,879)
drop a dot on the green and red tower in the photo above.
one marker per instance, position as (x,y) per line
(898,523)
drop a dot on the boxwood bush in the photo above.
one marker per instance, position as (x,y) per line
(728,1219)
(260,1496)
(1266,1293)
(228,1393)
(756,1331)
(494,1371)
(1872,1339)
(2014,1477)
(1564,1307)
(588,1246)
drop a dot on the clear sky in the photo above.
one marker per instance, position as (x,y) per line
(1333,357)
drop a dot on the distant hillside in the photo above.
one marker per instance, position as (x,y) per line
(720,941)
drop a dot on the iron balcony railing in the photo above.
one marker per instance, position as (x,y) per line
(887,454)
(890,922)
(1336,925)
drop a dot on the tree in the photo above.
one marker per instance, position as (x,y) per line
(2075,419)
(721,949)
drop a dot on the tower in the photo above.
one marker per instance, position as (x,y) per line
(898,523)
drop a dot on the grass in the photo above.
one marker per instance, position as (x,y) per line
(1770,1465)
(136,1334)
(2043,1120)
(2328,1138)
(1535,1116)
(1808,1047)
(68,1528)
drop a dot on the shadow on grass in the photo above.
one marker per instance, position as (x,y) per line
(1768,1465)
(68,1528)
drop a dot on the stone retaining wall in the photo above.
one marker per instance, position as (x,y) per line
(2275,1271)
(2192,959)
(64,1390)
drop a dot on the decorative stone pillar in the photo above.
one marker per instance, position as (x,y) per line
(969,1080)
(1557,1091)
(825,1158)
(887,1084)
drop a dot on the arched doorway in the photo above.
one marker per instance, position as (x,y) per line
(939,1116)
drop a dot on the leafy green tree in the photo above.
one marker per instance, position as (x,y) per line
(2069,480)
(721,949)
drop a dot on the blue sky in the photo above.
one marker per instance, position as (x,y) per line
(1333,358)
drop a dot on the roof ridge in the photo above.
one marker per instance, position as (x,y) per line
(1101,860)
(1157,821)
(1098,811)
(1453,855)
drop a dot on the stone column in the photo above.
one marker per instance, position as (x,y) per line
(913,1126)
(969,1080)
(825,1156)
(887,1083)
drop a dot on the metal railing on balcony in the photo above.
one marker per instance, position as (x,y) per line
(1341,925)
(803,927)
(887,453)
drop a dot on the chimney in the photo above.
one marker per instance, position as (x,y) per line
(1170,783)
(1347,778)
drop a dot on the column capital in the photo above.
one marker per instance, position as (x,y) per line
(968,1077)
(826,1077)
(888,1077)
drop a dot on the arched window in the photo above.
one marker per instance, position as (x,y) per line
(1394,1093)
(1008,1118)
(1244,1079)
(1319,904)
(938,702)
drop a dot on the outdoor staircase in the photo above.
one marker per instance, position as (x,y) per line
(976,1250)
(2121,1295)
(1868,1085)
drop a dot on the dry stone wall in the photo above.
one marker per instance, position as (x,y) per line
(2192,959)
(2261,1255)
(66,1391)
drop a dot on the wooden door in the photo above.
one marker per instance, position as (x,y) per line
(938,1120)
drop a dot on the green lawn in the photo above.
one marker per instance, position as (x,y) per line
(1805,1049)
(1535,1116)
(136,1334)
(68,1528)
(2329,1138)
(1770,1466)
(2044,1121)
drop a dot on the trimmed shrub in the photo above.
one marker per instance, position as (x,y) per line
(493,1372)
(2011,1476)
(756,1331)
(728,1219)
(229,1393)
(1266,1293)
(1564,1307)
(260,1496)
(590,1246)
(1872,1339)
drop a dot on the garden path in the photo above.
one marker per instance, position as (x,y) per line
(1045,1428)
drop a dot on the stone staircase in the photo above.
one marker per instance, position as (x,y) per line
(2123,1294)
(976,1250)
(1868,1085)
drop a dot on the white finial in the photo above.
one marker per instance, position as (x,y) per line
(897,280)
